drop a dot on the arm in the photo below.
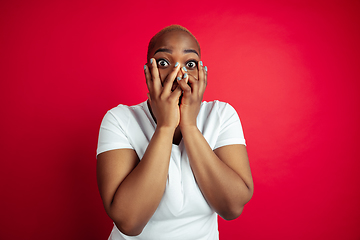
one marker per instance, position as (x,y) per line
(131,190)
(223,175)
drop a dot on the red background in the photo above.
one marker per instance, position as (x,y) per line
(290,69)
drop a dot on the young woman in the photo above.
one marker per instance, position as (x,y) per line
(168,166)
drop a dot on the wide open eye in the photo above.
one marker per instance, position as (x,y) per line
(191,64)
(162,63)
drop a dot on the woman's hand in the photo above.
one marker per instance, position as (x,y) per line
(163,101)
(223,175)
(192,96)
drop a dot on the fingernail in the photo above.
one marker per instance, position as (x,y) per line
(178,78)
(201,63)
(184,68)
(205,68)
(176,64)
(185,75)
(145,67)
(151,60)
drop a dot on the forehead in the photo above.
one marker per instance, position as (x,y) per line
(176,40)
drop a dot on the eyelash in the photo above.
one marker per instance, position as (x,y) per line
(191,61)
(161,59)
(167,63)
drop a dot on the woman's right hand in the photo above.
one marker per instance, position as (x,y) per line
(163,101)
(123,176)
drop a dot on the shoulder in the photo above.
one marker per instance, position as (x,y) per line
(122,113)
(123,109)
(216,106)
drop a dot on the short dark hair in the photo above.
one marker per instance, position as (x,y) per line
(167,29)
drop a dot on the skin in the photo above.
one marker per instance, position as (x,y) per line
(131,189)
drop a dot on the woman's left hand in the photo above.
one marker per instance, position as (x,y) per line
(192,96)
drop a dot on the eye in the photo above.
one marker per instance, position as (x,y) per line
(191,64)
(162,63)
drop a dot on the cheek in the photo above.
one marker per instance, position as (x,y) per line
(194,73)
(163,73)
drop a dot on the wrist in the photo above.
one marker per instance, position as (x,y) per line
(188,128)
(167,130)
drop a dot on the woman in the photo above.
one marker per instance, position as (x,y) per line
(168,166)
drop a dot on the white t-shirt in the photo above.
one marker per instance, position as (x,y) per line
(183,213)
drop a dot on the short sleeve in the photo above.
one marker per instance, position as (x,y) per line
(112,134)
(231,131)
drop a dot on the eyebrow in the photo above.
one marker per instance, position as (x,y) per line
(170,51)
(191,51)
(163,50)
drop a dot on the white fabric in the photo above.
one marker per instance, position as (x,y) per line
(183,212)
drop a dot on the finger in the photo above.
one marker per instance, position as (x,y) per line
(148,78)
(169,80)
(206,75)
(176,93)
(193,83)
(178,78)
(184,86)
(184,70)
(155,78)
(202,76)
(179,75)
(193,76)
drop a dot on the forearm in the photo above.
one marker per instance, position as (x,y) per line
(139,195)
(222,187)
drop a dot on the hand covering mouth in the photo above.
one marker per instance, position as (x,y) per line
(174,86)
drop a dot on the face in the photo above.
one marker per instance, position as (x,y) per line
(173,47)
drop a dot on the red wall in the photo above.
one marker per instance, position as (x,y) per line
(290,68)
